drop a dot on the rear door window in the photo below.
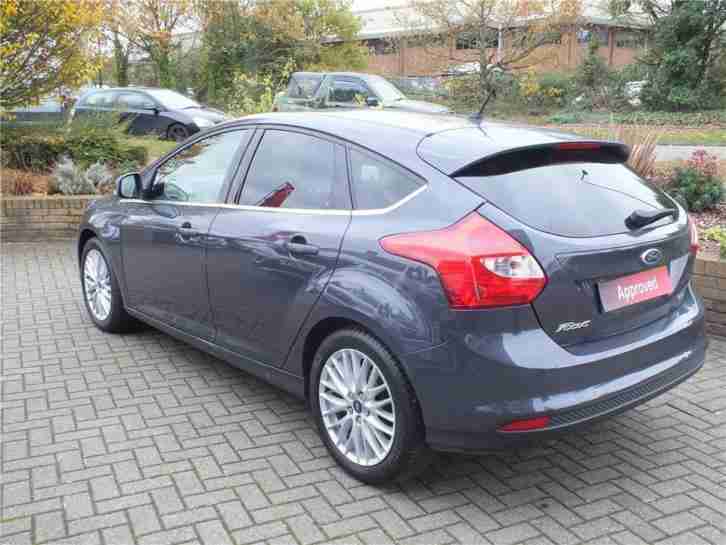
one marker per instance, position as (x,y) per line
(134,101)
(295,170)
(573,199)
(378,183)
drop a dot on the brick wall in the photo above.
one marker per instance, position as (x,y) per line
(411,60)
(46,218)
(710,280)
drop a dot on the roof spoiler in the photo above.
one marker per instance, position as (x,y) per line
(568,151)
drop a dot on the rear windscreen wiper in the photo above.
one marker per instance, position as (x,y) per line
(641,218)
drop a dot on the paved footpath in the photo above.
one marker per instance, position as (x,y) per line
(140,439)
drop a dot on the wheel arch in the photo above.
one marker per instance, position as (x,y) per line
(85,235)
(325,327)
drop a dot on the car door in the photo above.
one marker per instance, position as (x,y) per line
(164,238)
(140,112)
(96,104)
(270,257)
(347,92)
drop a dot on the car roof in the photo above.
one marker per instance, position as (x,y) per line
(446,142)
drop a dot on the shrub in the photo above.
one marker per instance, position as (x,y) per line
(592,77)
(565,118)
(717,234)
(696,185)
(17,182)
(681,119)
(100,176)
(39,151)
(544,90)
(642,144)
(70,180)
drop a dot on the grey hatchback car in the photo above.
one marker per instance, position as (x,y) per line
(423,281)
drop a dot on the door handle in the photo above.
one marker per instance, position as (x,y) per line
(186,230)
(297,245)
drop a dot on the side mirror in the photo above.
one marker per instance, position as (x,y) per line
(128,186)
(372,102)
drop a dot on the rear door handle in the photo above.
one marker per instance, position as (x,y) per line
(186,230)
(297,245)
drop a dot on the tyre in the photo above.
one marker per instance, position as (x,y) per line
(366,410)
(177,132)
(101,293)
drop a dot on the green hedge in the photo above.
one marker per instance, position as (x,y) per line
(690,119)
(27,150)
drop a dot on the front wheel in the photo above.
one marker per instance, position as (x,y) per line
(365,408)
(101,293)
(177,132)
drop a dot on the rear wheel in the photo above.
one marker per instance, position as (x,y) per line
(366,410)
(177,132)
(101,293)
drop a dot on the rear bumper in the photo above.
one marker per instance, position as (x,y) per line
(485,383)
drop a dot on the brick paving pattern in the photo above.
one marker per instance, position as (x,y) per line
(140,439)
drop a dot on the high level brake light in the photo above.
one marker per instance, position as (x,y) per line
(479,265)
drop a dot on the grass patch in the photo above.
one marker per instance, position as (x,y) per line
(668,136)
(155,146)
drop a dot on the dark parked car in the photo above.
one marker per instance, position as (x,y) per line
(423,281)
(149,111)
(349,90)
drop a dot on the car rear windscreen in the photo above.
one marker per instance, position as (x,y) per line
(575,199)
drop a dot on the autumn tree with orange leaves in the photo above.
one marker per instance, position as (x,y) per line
(44,47)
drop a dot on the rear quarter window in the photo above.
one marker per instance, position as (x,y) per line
(378,183)
(573,199)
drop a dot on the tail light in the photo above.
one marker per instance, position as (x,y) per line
(693,233)
(479,265)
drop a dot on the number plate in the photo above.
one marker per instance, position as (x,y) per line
(635,288)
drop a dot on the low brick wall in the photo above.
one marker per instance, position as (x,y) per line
(709,277)
(41,218)
(36,219)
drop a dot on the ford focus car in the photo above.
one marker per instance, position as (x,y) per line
(423,281)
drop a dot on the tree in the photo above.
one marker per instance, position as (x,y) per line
(43,47)
(505,33)
(686,59)
(149,26)
(271,38)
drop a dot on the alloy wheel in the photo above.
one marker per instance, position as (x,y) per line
(97,284)
(357,407)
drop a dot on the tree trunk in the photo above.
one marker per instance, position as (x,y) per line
(121,61)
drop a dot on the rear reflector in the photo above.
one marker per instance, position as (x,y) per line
(479,265)
(527,425)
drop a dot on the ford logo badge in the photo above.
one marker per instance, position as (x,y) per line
(652,256)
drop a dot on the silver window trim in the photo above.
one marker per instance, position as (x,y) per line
(315,211)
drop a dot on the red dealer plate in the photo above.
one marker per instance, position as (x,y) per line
(635,288)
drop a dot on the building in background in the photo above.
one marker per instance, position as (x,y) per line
(401,47)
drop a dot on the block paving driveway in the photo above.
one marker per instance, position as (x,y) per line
(140,439)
